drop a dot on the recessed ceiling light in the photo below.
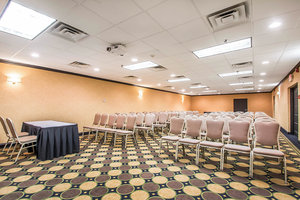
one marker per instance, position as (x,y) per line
(141,65)
(35,55)
(245,83)
(207,88)
(134,59)
(236,73)
(24,22)
(183,90)
(198,86)
(172,75)
(258,91)
(224,48)
(139,79)
(275,24)
(265,62)
(259,88)
(178,80)
(263,73)
(172,88)
(210,91)
(96,69)
(241,89)
(261,81)
(158,84)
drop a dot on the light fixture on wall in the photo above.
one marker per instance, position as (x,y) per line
(182,99)
(13,79)
(141,94)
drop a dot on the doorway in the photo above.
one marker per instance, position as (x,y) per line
(294,110)
(240,105)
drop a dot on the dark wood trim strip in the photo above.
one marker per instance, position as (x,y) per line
(229,94)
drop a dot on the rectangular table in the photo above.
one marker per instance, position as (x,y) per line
(54,139)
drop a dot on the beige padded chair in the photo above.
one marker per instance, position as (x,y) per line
(9,136)
(32,139)
(238,133)
(110,124)
(94,125)
(162,121)
(148,125)
(119,125)
(267,134)
(193,128)
(214,131)
(175,133)
(129,129)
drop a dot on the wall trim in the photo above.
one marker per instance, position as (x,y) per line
(231,94)
(283,130)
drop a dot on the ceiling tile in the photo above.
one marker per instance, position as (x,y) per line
(115,35)
(174,12)
(162,39)
(146,4)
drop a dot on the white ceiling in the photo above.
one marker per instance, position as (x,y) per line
(165,32)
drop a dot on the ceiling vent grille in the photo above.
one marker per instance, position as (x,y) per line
(195,84)
(79,64)
(130,77)
(158,68)
(228,17)
(242,65)
(68,32)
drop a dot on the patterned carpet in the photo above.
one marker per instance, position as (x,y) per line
(101,171)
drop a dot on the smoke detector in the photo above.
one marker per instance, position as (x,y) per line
(117,49)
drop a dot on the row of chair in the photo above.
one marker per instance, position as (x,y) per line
(14,138)
(266,134)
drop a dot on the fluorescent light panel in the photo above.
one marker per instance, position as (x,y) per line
(141,65)
(198,86)
(24,22)
(236,73)
(178,80)
(245,83)
(224,48)
(268,85)
(242,89)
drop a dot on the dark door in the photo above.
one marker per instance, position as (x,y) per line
(294,110)
(240,105)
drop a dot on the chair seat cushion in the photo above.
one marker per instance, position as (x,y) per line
(236,147)
(28,138)
(170,138)
(189,141)
(269,152)
(23,134)
(91,127)
(212,144)
(144,128)
(123,132)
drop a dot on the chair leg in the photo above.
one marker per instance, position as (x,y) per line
(285,170)
(251,163)
(222,159)
(89,135)
(197,154)
(126,140)
(160,144)
(176,154)
(13,150)
(19,152)
(115,138)
(96,136)
(105,135)
(10,147)
(5,145)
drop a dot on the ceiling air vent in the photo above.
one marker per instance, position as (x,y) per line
(79,64)
(242,65)
(68,32)
(229,16)
(158,68)
(130,77)
(245,77)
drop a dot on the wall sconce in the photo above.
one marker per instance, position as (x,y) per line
(13,79)
(182,99)
(140,94)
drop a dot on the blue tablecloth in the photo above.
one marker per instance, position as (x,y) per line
(54,139)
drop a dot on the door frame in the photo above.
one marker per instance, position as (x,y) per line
(291,108)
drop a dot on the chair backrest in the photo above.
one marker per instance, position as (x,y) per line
(149,119)
(176,125)
(266,133)
(239,131)
(163,117)
(139,119)
(130,122)
(193,127)
(5,128)
(97,119)
(103,120)
(111,120)
(156,116)
(120,121)
(226,123)
(12,128)
(214,129)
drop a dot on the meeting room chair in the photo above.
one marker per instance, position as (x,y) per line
(110,124)
(267,134)
(162,121)
(239,135)
(25,140)
(175,133)
(191,136)
(148,125)
(94,125)
(119,125)
(213,138)
(129,129)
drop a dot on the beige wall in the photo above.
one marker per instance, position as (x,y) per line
(44,95)
(282,102)
(256,102)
